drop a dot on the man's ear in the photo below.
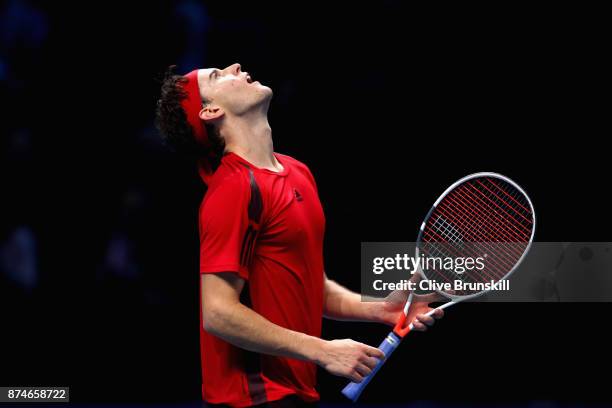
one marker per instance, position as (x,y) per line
(210,113)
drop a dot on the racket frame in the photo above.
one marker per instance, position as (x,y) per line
(444,194)
(394,338)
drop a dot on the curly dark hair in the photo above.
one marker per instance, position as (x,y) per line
(171,121)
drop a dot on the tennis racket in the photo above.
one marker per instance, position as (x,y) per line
(483,214)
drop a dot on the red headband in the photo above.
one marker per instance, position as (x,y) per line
(192,105)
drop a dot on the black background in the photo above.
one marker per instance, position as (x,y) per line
(386,104)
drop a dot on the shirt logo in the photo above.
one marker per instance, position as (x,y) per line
(297,195)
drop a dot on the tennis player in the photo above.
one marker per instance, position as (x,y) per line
(263,287)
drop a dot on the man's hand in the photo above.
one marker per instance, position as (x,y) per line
(390,310)
(348,358)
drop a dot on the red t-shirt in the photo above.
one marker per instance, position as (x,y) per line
(268,228)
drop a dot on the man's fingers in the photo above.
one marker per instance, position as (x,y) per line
(422,321)
(370,361)
(374,352)
(363,369)
(427,320)
(418,326)
(355,376)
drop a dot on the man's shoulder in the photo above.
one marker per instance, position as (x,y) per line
(229,176)
(299,166)
(291,161)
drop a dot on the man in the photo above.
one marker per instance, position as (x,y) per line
(263,286)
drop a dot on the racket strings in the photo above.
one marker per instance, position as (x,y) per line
(458,203)
(483,217)
(500,261)
(437,246)
(508,203)
(440,250)
(448,230)
(495,219)
(482,205)
(513,194)
(435,250)
(473,222)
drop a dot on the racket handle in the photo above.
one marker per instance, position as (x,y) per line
(389,344)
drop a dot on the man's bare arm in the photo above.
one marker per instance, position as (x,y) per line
(342,304)
(225,317)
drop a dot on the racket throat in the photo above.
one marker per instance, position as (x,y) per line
(400,330)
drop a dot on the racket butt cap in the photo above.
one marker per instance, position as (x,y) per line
(352,391)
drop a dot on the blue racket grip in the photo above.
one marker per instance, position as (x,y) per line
(389,344)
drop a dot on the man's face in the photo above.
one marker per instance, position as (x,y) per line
(231,89)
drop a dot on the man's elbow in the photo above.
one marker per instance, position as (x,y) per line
(213,317)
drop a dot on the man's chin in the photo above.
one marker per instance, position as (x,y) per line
(265,91)
(266,88)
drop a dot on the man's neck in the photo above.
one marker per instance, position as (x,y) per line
(250,137)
